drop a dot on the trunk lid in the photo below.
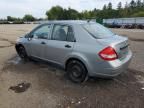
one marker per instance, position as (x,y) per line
(119,43)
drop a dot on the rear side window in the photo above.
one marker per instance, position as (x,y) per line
(97,30)
(63,33)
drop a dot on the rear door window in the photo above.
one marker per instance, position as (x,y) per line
(63,33)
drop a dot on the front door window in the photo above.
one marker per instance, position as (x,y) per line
(42,32)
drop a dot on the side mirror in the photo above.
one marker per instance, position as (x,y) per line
(29,37)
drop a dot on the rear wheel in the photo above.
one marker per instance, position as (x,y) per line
(76,71)
(22,52)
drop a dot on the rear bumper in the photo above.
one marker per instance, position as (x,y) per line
(111,69)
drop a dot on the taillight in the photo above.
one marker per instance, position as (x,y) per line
(108,54)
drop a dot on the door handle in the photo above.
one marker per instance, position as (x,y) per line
(43,43)
(67,46)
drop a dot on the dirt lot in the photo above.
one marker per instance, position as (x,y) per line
(49,88)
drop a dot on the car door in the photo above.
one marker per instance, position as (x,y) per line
(38,43)
(61,43)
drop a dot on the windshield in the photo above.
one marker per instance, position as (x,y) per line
(97,30)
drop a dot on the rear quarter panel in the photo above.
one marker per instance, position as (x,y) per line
(86,48)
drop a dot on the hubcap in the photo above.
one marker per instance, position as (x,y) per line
(76,72)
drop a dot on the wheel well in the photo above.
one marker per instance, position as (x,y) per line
(70,59)
(17,46)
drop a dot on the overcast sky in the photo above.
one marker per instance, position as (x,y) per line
(38,8)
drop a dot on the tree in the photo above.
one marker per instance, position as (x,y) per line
(73,14)
(139,3)
(58,13)
(86,15)
(55,13)
(9,18)
(143,4)
(139,14)
(110,6)
(132,4)
(125,11)
(104,7)
(119,7)
(131,9)
(28,17)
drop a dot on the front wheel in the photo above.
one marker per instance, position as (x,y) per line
(76,71)
(22,53)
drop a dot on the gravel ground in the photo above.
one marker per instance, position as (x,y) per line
(51,89)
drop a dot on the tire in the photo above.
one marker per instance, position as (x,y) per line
(76,71)
(22,53)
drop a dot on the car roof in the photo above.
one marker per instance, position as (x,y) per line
(71,22)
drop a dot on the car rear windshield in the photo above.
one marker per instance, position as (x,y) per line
(97,30)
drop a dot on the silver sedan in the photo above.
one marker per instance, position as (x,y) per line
(82,48)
